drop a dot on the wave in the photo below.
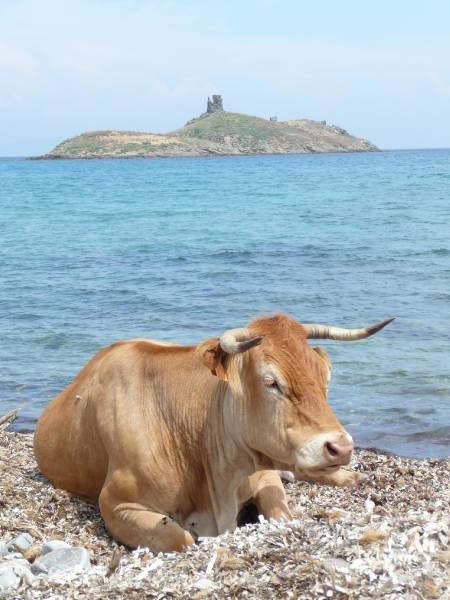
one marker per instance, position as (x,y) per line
(439,436)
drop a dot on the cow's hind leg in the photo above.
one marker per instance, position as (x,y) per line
(264,489)
(135,525)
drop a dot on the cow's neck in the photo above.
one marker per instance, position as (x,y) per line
(228,460)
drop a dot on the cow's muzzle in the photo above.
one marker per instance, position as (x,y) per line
(325,451)
(338,452)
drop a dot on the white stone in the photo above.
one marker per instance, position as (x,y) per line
(8,579)
(3,549)
(12,556)
(335,564)
(21,542)
(62,560)
(51,545)
(13,572)
(204,584)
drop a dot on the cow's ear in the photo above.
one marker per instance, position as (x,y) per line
(323,354)
(215,358)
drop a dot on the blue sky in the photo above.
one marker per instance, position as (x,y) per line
(379,69)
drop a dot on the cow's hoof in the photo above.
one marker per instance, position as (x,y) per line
(349,479)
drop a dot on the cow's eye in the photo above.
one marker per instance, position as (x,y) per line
(270,381)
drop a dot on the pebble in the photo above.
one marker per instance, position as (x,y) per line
(335,564)
(12,556)
(204,584)
(51,545)
(13,572)
(21,542)
(62,560)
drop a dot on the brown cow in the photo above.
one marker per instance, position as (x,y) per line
(175,440)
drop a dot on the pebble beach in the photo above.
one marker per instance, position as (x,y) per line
(386,539)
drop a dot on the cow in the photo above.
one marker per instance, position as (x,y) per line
(175,440)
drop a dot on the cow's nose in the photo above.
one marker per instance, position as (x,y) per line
(338,451)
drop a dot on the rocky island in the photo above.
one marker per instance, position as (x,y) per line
(215,133)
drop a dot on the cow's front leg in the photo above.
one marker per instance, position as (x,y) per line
(227,517)
(265,489)
(223,488)
(341,477)
(135,525)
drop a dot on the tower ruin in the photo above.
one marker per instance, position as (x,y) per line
(215,104)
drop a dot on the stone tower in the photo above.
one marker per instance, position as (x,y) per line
(214,104)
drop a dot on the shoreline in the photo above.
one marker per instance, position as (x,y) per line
(204,155)
(380,150)
(385,538)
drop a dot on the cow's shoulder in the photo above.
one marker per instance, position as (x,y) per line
(132,360)
(146,356)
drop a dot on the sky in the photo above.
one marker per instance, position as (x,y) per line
(380,69)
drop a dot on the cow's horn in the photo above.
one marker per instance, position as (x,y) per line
(234,341)
(328,332)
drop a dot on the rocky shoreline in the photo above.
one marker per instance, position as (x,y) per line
(388,538)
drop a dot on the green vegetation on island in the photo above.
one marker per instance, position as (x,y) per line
(215,132)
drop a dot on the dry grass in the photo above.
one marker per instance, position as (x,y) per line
(387,539)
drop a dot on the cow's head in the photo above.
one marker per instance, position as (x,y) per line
(280,385)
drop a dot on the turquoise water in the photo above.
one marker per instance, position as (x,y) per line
(181,249)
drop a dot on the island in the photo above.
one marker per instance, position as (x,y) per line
(216,132)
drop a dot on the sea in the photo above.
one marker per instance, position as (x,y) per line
(94,251)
